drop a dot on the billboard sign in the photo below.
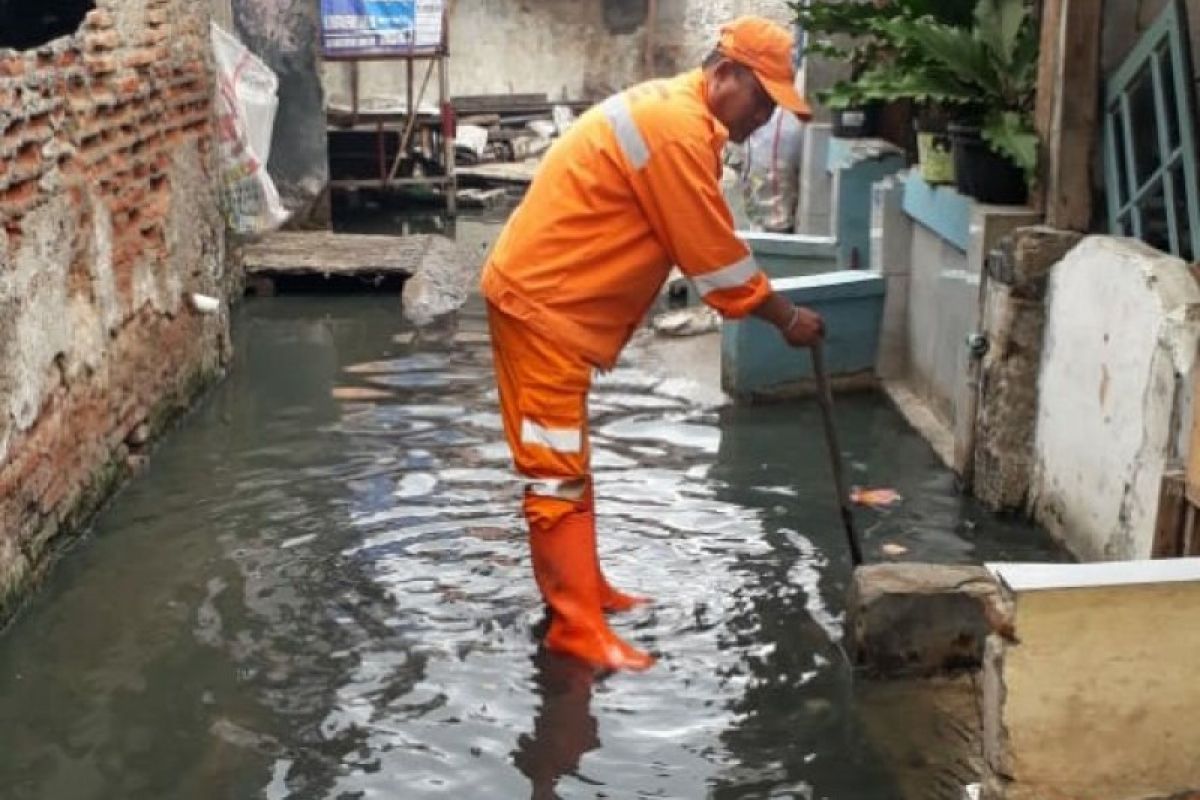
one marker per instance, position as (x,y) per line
(357,28)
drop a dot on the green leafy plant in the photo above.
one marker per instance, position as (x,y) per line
(855,33)
(987,71)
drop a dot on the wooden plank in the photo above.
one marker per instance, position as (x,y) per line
(1172,517)
(517,172)
(325,253)
(1190,541)
(1065,117)
(376,183)
(1193,456)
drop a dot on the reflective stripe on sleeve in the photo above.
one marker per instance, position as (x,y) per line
(620,116)
(560,440)
(737,274)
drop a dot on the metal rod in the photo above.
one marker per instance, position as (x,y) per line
(825,398)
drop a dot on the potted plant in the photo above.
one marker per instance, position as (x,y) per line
(852,33)
(842,32)
(987,74)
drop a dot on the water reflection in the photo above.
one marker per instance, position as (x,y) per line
(563,728)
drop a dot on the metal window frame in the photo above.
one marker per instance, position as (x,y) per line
(1163,46)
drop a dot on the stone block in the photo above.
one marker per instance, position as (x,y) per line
(989,226)
(921,619)
(1023,260)
(1008,398)
(756,363)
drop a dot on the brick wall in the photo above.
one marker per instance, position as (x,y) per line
(108,222)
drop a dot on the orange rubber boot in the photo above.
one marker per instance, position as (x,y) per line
(612,600)
(564,565)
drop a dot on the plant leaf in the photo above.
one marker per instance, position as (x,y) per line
(1011,133)
(953,49)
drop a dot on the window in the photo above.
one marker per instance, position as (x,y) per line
(1149,141)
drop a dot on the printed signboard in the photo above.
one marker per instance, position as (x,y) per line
(356,28)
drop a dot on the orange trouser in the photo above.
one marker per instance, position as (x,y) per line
(543,403)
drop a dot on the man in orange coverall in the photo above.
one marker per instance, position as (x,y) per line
(630,190)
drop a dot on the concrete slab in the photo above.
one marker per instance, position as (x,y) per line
(328,253)
(1095,697)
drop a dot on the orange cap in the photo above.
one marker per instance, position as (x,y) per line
(766,48)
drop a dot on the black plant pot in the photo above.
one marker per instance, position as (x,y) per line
(984,174)
(856,122)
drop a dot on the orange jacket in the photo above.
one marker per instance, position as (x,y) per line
(631,189)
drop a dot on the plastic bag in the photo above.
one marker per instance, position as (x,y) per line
(770,175)
(247,100)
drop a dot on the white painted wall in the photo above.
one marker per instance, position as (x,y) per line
(1122,328)
(559,47)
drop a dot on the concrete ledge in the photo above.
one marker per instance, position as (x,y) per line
(939,208)
(786,255)
(1095,694)
(922,619)
(756,363)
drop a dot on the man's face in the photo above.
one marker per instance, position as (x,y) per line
(738,99)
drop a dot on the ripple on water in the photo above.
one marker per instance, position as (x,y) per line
(337,601)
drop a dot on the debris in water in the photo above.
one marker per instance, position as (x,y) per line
(893,549)
(416,484)
(371,368)
(360,393)
(874,498)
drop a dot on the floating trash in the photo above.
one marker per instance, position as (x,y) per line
(874,498)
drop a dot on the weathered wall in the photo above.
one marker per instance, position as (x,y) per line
(108,220)
(1095,698)
(1122,327)
(1014,320)
(566,48)
(286,35)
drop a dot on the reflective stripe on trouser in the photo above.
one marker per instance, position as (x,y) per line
(543,403)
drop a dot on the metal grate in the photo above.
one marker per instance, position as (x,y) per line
(1149,141)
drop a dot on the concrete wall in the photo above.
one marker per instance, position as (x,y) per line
(108,221)
(564,48)
(1122,327)
(932,254)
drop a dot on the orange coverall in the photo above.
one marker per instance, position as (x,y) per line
(630,190)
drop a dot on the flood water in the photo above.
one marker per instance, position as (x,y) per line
(320,588)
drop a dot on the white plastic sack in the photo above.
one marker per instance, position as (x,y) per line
(247,100)
(472,137)
(770,175)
